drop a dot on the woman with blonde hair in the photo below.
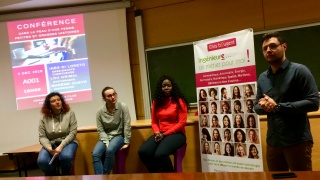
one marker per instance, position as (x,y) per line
(241,150)
(253,136)
(216,149)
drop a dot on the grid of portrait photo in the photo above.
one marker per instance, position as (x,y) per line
(227,121)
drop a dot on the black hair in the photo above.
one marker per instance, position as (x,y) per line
(250,153)
(206,132)
(243,135)
(275,34)
(176,94)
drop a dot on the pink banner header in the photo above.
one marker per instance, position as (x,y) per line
(45,28)
(222,44)
(229,76)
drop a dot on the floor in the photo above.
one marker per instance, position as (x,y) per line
(33,170)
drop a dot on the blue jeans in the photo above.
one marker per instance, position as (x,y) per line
(103,157)
(66,160)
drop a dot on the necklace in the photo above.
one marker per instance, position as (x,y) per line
(53,128)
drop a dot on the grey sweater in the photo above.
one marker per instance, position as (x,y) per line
(58,129)
(111,125)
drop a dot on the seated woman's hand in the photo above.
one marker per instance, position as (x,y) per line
(157,137)
(161,136)
(50,150)
(59,149)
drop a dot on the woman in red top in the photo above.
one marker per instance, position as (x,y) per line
(169,116)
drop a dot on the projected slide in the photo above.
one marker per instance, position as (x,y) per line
(49,54)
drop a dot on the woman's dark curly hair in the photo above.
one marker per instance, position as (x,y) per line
(176,94)
(243,135)
(46,109)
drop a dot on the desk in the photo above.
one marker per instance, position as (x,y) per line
(28,151)
(180,176)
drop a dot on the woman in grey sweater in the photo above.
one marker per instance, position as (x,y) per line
(57,135)
(114,130)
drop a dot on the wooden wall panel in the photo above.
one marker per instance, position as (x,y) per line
(263,132)
(132,38)
(315,124)
(135,71)
(135,64)
(284,13)
(200,19)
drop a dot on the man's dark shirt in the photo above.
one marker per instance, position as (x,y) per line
(294,88)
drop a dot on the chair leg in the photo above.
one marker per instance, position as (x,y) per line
(73,164)
(178,157)
(121,157)
(57,166)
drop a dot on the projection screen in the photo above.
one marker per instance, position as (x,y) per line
(99,58)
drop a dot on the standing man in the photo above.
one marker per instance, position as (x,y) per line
(286,92)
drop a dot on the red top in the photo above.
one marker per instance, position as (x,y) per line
(167,120)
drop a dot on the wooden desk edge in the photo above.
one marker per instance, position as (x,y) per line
(137,124)
(29,149)
(146,123)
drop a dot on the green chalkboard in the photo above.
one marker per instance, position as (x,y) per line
(177,62)
(303,46)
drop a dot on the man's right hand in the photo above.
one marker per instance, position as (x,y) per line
(267,103)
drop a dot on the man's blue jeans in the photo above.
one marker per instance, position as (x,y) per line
(103,157)
(66,160)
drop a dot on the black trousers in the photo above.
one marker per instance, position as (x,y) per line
(156,156)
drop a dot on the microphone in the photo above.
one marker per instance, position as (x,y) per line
(53,157)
